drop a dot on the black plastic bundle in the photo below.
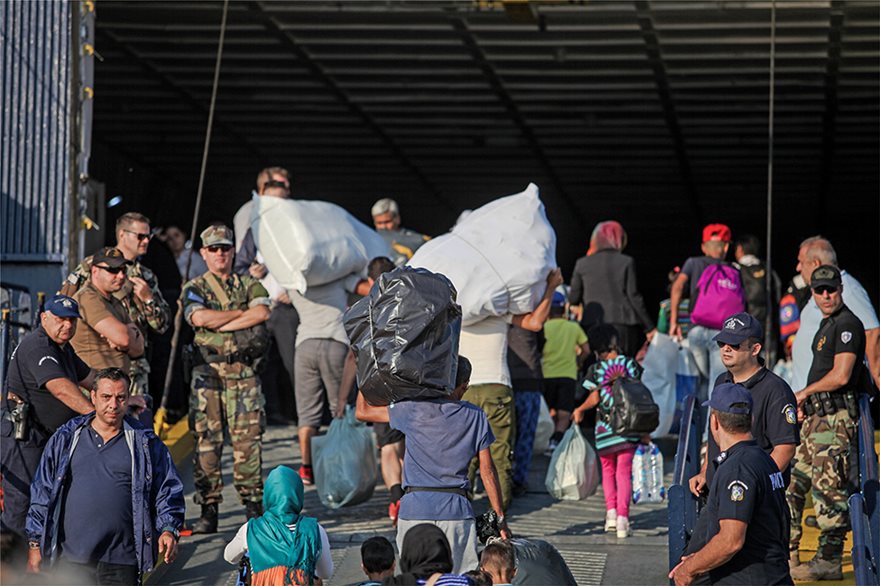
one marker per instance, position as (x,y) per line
(538,562)
(404,335)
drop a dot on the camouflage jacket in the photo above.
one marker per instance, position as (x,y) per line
(155,316)
(403,243)
(243,292)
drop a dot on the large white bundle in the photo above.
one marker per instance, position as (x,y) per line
(309,243)
(498,257)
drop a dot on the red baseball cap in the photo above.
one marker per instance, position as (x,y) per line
(720,232)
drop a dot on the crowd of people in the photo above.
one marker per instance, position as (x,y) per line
(772,438)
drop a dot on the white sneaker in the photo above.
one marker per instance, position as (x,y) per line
(623,527)
(551,448)
(611,521)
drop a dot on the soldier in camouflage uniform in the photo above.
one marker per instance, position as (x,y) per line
(140,295)
(402,241)
(829,405)
(227,312)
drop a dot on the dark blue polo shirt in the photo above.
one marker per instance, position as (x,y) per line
(98,522)
(748,487)
(36,361)
(774,416)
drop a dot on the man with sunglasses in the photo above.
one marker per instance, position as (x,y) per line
(830,415)
(139,294)
(105,335)
(226,311)
(814,252)
(774,408)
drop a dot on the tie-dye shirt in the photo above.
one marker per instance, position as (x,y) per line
(600,377)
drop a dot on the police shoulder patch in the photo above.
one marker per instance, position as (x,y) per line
(790,413)
(737,490)
(45,358)
(845,337)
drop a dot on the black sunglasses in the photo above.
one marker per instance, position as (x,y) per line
(735,347)
(139,235)
(219,248)
(112,270)
(823,289)
(275,183)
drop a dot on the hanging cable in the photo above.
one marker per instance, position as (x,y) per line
(178,318)
(769,321)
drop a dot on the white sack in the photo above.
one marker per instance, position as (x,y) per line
(309,243)
(498,257)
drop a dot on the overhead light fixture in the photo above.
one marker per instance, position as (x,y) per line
(114,201)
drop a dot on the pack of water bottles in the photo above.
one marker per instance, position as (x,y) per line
(647,475)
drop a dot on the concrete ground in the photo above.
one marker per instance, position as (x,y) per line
(575,528)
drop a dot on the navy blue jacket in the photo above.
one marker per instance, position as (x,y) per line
(157,491)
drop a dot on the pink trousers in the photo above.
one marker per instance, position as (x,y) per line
(617,479)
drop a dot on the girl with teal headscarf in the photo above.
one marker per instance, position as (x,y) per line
(284,546)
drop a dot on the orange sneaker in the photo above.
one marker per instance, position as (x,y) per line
(307,475)
(393,511)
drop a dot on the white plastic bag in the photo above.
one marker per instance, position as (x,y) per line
(659,366)
(545,428)
(647,475)
(344,462)
(573,473)
(498,257)
(309,243)
(687,382)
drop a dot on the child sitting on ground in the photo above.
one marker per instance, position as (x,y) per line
(377,560)
(499,561)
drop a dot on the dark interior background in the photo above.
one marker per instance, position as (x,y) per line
(651,113)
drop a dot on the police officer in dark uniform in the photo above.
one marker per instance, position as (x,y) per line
(774,413)
(830,408)
(41,394)
(748,519)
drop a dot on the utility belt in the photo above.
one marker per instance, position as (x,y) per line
(824,404)
(449,489)
(193,356)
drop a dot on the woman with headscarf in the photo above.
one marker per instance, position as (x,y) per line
(604,284)
(426,559)
(284,547)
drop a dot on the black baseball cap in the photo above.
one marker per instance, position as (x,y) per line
(826,276)
(725,395)
(62,306)
(110,256)
(738,328)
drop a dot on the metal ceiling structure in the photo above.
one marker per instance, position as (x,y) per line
(652,112)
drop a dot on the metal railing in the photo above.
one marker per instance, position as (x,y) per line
(864,513)
(682,508)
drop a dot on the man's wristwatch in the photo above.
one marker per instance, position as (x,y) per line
(173,532)
(33,544)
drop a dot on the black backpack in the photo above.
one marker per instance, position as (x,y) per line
(633,412)
(754,279)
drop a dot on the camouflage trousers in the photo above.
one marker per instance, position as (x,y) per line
(139,373)
(496,401)
(820,464)
(217,405)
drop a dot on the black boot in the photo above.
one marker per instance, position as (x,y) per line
(253,509)
(207,523)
